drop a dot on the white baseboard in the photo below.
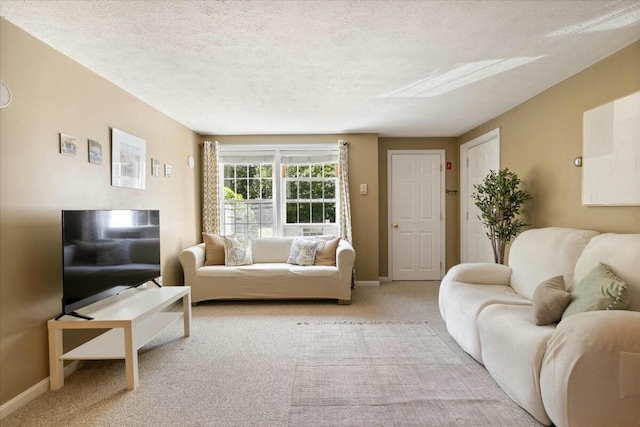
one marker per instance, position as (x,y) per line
(384,279)
(367,283)
(33,392)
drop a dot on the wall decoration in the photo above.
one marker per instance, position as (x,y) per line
(128,160)
(155,167)
(68,145)
(611,153)
(95,152)
(167,170)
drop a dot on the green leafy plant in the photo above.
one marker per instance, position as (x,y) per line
(500,201)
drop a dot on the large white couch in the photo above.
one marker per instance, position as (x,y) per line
(583,371)
(270,276)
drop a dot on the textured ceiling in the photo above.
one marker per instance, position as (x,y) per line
(397,68)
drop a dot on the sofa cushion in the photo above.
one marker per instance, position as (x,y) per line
(326,252)
(214,249)
(538,254)
(513,348)
(237,251)
(271,249)
(621,252)
(598,290)
(460,304)
(303,252)
(549,301)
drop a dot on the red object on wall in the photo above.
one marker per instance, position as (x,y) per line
(448,165)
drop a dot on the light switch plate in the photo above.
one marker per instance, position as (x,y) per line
(363,189)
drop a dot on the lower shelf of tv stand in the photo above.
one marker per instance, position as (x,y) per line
(133,318)
(110,345)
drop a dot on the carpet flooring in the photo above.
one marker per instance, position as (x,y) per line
(384,360)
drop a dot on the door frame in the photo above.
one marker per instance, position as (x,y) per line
(465,192)
(443,207)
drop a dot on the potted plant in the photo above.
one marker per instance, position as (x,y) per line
(500,201)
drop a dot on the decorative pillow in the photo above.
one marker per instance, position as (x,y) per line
(550,300)
(237,250)
(113,253)
(303,252)
(326,251)
(213,249)
(598,290)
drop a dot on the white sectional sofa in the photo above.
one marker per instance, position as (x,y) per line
(583,371)
(270,276)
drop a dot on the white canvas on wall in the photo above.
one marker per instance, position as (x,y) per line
(611,153)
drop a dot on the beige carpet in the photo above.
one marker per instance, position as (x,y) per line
(252,364)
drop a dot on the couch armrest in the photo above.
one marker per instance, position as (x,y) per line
(590,370)
(479,273)
(345,258)
(191,259)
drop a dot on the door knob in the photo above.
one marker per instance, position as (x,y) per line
(395,225)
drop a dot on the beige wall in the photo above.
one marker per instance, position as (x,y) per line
(452,242)
(53,94)
(363,169)
(541,137)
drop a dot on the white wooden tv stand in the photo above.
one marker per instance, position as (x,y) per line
(134,317)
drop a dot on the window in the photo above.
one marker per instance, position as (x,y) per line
(299,200)
(248,200)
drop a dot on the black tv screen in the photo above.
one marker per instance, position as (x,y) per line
(106,252)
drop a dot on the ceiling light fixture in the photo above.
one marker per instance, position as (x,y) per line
(463,74)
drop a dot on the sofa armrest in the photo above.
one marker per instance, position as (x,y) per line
(345,258)
(479,273)
(590,370)
(191,259)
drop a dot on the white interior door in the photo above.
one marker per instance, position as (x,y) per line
(480,159)
(416,216)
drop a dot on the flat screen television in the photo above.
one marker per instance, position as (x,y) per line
(106,252)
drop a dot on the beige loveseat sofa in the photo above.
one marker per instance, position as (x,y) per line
(270,276)
(583,371)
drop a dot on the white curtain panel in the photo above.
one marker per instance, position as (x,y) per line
(343,184)
(210,189)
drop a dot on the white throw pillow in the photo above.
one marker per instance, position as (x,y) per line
(303,252)
(237,251)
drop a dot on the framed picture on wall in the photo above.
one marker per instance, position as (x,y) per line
(68,145)
(95,152)
(128,160)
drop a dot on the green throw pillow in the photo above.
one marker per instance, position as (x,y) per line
(598,290)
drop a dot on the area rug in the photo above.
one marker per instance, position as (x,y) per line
(388,374)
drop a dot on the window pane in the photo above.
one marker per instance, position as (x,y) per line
(316,212)
(254,171)
(292,190)
(267,189)
(305,190)
(304,170)
(305,213)
(241,188)
(329,170)
(229,171)
(329,190)
(266,171)
(229,187)
(316,190)
(254,189)
(265,216)
(292,213)
(241,171)
(330,212)
(291,172)
(316,171)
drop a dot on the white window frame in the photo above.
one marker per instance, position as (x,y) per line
(278,191)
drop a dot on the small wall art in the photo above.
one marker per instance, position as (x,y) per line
(128,160)
(68,145)
(155,167)
(95,152)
